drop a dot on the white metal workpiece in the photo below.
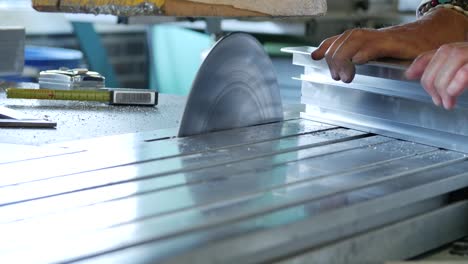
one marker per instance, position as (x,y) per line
(273,192)
(380,100)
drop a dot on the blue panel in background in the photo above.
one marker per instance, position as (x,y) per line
(46,58)
(176,58)
(96,54)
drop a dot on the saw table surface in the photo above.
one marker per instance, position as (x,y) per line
(274,192)
(82,120)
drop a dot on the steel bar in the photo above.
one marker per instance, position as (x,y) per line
(380,100)
(388,69)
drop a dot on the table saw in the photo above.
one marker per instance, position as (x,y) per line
(366,174)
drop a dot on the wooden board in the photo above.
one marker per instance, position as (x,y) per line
(275,8)
(188,8)
(173,8)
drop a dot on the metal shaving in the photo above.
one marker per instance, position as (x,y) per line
(118,10)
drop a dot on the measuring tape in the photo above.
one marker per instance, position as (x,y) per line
(46,94)
(114,96)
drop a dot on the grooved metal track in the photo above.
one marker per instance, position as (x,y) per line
(274,192)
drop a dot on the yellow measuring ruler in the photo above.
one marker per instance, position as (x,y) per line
(46,94)
(114,96)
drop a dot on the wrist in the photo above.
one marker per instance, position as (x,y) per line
(436,28)
(439,27)
(460,6)
(450,19)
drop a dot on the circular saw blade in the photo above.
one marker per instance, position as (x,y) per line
(236,86)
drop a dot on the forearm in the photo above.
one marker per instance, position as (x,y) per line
(429,32)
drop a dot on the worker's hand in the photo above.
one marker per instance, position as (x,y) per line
(407,41)
(443,73)
(358,46)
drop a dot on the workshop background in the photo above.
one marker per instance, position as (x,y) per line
(366,172)
(165,53)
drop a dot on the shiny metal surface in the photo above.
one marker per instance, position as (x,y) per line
(236,86)
(189,148)
(14,153)
(282,189)
(13,119)
(380,101)
(387,68)
(371,247)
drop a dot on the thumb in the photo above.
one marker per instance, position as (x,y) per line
(319,53)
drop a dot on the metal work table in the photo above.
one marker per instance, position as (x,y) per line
(83,120)
(277,192)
